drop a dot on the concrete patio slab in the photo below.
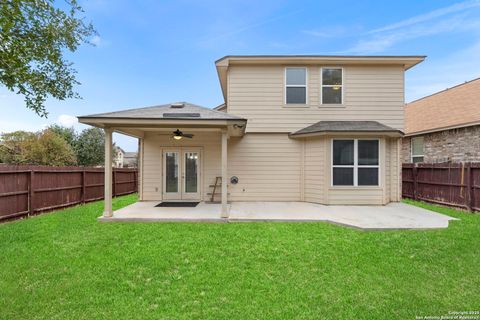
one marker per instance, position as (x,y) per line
(389,217)
(146,211)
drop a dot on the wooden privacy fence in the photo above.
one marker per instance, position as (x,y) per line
(29,190)
(453,184)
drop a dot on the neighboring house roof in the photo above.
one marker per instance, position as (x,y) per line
(455,107)
(221,107)
(171,111)
(346,126)
(117,148)
(130,158)
(222,64)
(130,155)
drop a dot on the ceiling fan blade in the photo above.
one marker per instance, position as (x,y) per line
(188,135)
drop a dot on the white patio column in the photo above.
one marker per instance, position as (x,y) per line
(108,173)
(224,174)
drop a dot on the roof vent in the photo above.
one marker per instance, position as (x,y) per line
(181,115)
(177,105)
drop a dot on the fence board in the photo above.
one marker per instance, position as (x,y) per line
(454,184)
(27,190)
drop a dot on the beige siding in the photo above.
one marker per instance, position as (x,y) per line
(268,167)
(152,169)
(315,172)
(395,170)
(355,196)
(272,167)
(388,171)
(370,93)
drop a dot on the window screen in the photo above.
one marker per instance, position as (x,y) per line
(332,85)
(355,162)
(296,85)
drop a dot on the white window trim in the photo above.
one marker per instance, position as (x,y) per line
(342,88)
(295,86)
(355,165)
(411,149)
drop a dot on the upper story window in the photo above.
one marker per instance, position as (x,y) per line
(332,85)
(417,149)
(355,162)
(296,85)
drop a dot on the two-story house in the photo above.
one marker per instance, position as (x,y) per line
(323,129)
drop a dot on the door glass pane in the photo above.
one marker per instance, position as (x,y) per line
(191,167)
(171,172)
(368,176)
(342,152)
(343,176)
(368,152)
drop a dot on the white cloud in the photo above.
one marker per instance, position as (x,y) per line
(457,18)
(327,32)
(241,29)
(99,41)
(67,120)
(462,6)
(96,40)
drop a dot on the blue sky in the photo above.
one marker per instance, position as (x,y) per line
(154,52)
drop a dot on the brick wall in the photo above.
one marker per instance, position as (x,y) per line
(456,145)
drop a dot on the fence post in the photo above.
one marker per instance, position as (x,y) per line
(415,185)
(135,181)
(84,182)
(469,191)
(31,209)
(114,191)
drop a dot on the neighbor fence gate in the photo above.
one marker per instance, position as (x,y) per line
(453,184)
(29,190)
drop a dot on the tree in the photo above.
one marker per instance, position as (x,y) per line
(43,148)
(34,36)
(13,145)
(67,133)
(90,147)
(49,149)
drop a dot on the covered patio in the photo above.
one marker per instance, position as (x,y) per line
(390,217)
(182,151)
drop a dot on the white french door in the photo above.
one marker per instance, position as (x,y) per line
(181,174)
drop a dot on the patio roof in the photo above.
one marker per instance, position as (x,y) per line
(135,122)
(175,110)
(325,127)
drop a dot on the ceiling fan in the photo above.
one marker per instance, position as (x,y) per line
(177,135)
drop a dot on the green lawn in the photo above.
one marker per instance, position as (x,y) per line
(66,265)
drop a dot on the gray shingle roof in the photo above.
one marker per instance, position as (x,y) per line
(168,111)
(346,126)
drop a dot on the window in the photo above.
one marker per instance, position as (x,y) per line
(332,85)
(355,162)
(296,85)
(417,149)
